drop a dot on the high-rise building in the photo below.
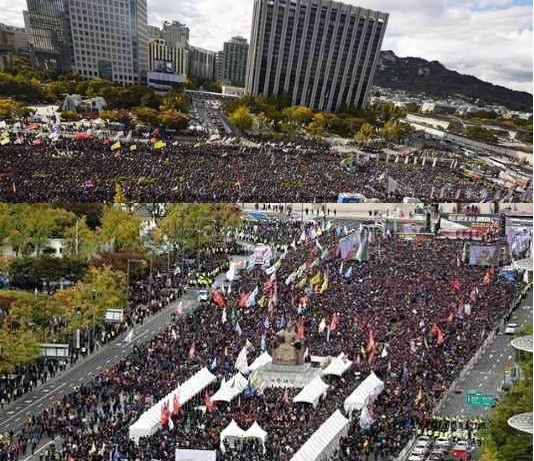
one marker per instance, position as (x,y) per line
(96,38)
(201,63)
(154,32)
(110,39)
(48,28)
(219,66)
(235,61)
(321,53)
(167,59)
(21,44)
(175,34)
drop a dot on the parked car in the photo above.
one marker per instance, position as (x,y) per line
(511,329)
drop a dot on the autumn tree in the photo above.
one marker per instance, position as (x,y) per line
(120,229)
(242,118)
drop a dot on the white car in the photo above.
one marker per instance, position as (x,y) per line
(442,442)
(511,329)
(203,295)
(416,457)
(419,450)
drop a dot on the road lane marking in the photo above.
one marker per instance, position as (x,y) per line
(37,451)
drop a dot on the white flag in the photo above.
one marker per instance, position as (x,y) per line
(241,364)
(129,337)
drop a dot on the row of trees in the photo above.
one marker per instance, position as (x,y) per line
(27,319)
(277,115)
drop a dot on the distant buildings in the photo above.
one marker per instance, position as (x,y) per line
(321,53)
(96,38)
(13,41)
(175,34)
(201,63)
(234,61)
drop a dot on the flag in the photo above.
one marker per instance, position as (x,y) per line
(218,298)
(474,293)
(176,407)
(223,317)
(316,280)
(5,141)
(133,148)
(434,163)
(322,325)
(285,397)
(116,146)
(251,300)
(436,331)
(14,188)
(419,396)
(129,337)
(366,420)
(458,261)
(487,277)
(348,274)
(171,424)
(456,284)
(334,322)
(241,363)
(238,328)
(243,298)
(160,145)
(324,286)
(263,342)
(214,363)
(300,328)
(210,406)
(192,351)
(165,413)
(371,345)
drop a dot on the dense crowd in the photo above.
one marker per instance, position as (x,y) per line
(409,296)
(88,171)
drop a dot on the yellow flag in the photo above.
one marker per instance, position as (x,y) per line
(132,148)
(5,134)
(4,141)
(160,145)
(116,146)
(302,283)
(316,280)
(324,287)
(419,396)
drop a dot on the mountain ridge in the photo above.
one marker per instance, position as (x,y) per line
(417,75)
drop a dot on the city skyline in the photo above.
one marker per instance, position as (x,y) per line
(494,36)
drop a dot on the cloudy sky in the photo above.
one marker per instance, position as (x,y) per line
(491,39)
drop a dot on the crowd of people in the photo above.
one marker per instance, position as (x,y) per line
(400,312)
(88,171)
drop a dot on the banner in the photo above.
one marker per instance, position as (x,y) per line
(483,255)
(195,455)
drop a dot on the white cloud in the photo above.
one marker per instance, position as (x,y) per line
(491,39)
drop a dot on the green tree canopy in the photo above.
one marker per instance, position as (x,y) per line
(120,229)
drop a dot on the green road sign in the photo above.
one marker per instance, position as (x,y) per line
(479,400)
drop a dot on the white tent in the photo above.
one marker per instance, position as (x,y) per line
(338,366)
(149,422)
(312,392)
(231,432)
(256,432)
(325,440)
(369,387)
(231,388)
(195,385)
(262,360)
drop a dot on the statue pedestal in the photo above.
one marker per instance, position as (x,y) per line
(291,376)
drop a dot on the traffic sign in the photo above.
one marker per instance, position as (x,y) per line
(479,400)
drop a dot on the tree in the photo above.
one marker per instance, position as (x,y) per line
(69,116)
(80,241)
(242,118)
(479,133)
(176,101)
(146,115)
(173,120)
(12,110)
(298,114)
(110,115)
(367,132)
(119,195)
(120,229)
(55,91)
(17,348)
(395,132)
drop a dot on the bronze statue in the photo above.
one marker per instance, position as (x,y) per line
(287,348)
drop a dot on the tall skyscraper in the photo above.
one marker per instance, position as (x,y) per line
(154,33)
(235,61)
(321,53)
(175,34)
(96,38)
(201,63)
(48,28)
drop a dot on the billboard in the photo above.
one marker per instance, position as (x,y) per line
(486,255)
(163,66)
(195,455)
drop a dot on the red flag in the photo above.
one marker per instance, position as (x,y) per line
(243,299)
(192,351)
(300,328)
(487,277)
(176,407)
(208,402)
(155,132)
(436,331)
(371,345)
(456,284)
(218,298)
(164,418)
(334,322)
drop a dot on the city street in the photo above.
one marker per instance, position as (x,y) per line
(14,415)
(487,376)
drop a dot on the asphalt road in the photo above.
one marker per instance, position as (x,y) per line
(487,376)
(12,417)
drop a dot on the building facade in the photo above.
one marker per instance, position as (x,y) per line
(219,66)
(175,34)
(234,61)
(201,63)
(321,53)
(167,59)
(154,32)
(110,39)
(20,44)
(48,28)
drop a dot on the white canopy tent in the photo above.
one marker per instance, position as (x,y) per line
(230,389)
(338,366)
(369,387)
(325,440)
(232,432)
(312,392)
(262,360)
(149,422)
(256,432)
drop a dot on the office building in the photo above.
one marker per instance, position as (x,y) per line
(235,61)
(48,27)
(167,59)
(175,34)
(201,63)
(110,39)
(154,32)
(321,53)
(219,66)
(20,38)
